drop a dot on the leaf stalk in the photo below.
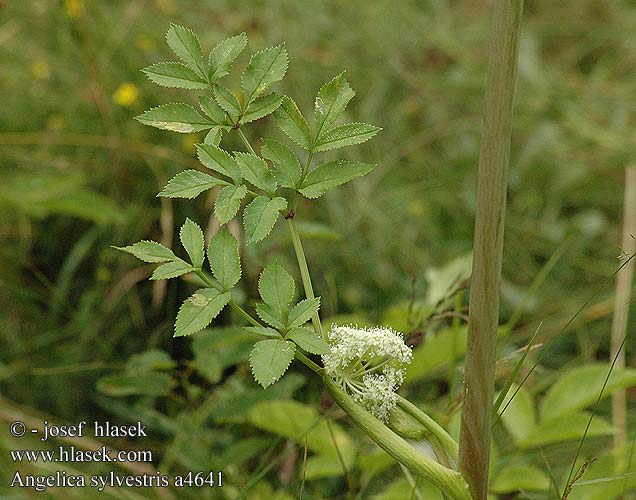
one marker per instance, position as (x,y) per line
(447,480)
(476,423)
(304,272)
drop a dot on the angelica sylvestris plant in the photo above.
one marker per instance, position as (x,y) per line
(362,367)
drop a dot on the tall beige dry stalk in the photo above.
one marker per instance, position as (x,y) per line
(621,309)
(476,424)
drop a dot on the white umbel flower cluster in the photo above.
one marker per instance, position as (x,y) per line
(369,364)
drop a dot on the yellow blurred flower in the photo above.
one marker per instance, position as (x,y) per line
(416,208)
(103,274)
(55,122)
(144,43)
(74,8)
(167,6)
(188,143)
(126,94)
(411,107)
(41,69)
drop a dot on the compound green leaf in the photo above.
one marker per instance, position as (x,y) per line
(224,54)
(151,360)
(209,106)
(521,477)
(185,44)
(198,311)
(172,269)
(581,386)
(220,161)
(235,397)
(189,184)
(265,67)
(569,427)
(224,258)
(176,117)
(334,173)
(276,287)
(151,383)
(255,170)
(345,135)
(32,195)
(291,121)
(262,330)
(175,75)
(227,100)
(149,251)
(445,281)
(302,312)
(331,102)
(436,351)
(228,202)
(286,167)
(261,107)
(260,216)
(308,340)
(270,315)
(191,238)
(270,359)
(303,423)
(214,136)
(519,419)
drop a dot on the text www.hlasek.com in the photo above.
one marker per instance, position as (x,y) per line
(71,454)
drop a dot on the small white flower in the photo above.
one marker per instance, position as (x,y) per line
(369,364)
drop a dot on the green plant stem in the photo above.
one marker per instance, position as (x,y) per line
(254,322)
(414,484)
(297,244)
(307,165)
(302,179)
(309,363)
(445,439)
(253,194)
(246,142)
(304,271)
(476,423)
(452,369)
(621,314)
(447,480)
(242,312)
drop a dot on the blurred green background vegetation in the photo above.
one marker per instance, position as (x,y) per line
(83,335)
